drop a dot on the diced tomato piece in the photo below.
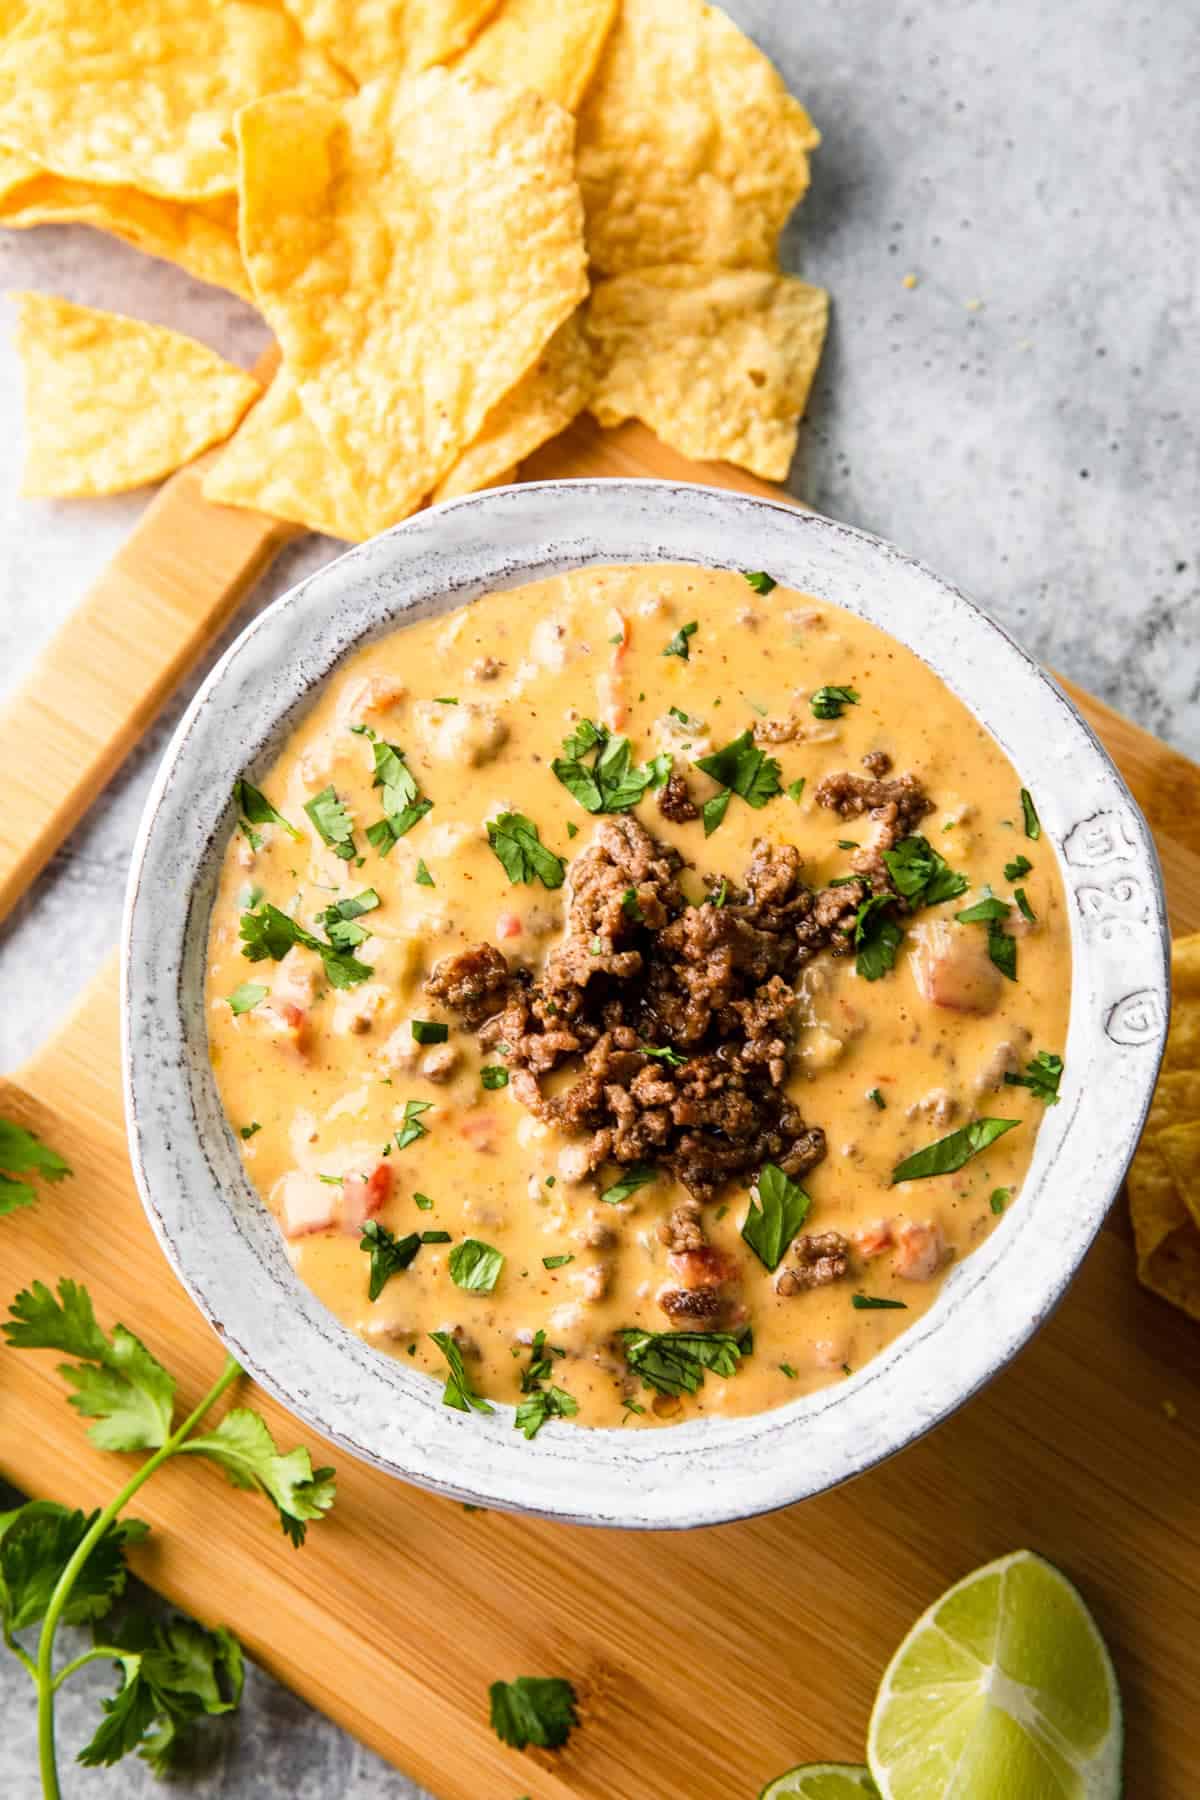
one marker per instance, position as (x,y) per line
(874,1239)
(288,1023)
(361,1200)
(509,925)
(479,1129)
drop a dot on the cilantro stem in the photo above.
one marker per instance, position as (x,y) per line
(22,1655)
(100,1653)
(44,1670)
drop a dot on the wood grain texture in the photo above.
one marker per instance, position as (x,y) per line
(104,675)
(705,1662)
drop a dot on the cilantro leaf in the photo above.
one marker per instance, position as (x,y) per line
(1000,1199)
(533,1709)
(515,842)
(333,822)
(612,782)
(795,789)
(423,877)
(1033,825)
(403,804)
(876,1303)
(674,1362)
(714,810)
(760,581)
(921,875)
(494,1075)
(1003,951)
(389,1254)
(640,1175)
(429,1031)
(742,766)
(987,911)
(459,1391)
(475,1266)
(778,1208)
(413,1126)
(1023,907)
(1042,1076)
(256,809)
(665,1053)
(246,996)
(268,933)
(950,1153)
(558,1262)
(22,1152)
(242,1445)
(37,1541)
(1017,868)
(877,937)
(117,1381)
(679,645)
(544,1403)
(828,702)
(174,1673)
(128,1717)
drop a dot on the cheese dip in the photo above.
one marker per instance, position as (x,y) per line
(634,991)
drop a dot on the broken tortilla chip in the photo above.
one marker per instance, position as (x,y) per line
(1183,1038)
(201,236)
(1179,1146)
(390,37)
(112,403)
(543,403)
(278,463)
(691,149)
(553,50)
(1166,1235)
(143,94)
(413,250)
(718,362)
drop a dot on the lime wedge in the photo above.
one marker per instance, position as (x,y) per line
(1003,1690)
(822,1781)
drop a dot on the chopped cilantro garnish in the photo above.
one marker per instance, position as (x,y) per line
(664,1053)
(403,804)
(875,1303)
(445,700)
(631,906)
(542,1402)
(256,809)
(435,1237)
(459,1391)
(1001,947)
(1022,900)
(714,810)
(1033,825)
(794,789)
(1042,1076)
(429,1031)
(475,1266)
(412,1125)
(533,1709)
(422,1202)
(921,875)
(778,1208)
(612,781)
(984,912)
(1019,866)
(675,1362)
(517,846)
(1000,1199)
(759,580)
(341,919)
(248,1131)
(494,1075)
(847,843)
(679,645)
(639,1176)
(950,1153)
(741,766)
(877,1098)
(268,933)
(389,1254)
(827,702)
(423,877)
(246,996)
(557,1262)
(333,822)
(877,937)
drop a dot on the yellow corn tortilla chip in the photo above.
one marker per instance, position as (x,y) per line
(391,37)
(200,236)
(1179,1146)
(553,50)
(413,250)
(278,463)
(143,93)
(718,362)
(112,403)
(691,149)
(1183,1039)
(543,403)
(1167,1239)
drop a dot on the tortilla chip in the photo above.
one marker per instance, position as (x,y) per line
(553,50)
(718,362)
(543,403)
(200,237)
(413,251)
(278,464)
(391,37)
(112,403)
(1179,1147)
(691,149)
(142,93)
(1183,1039)
(1167,1238)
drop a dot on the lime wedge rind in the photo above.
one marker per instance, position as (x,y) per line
(822,1781)
(900,1770)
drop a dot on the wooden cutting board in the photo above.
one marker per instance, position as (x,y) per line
(705,1662)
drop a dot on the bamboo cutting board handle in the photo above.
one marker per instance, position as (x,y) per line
(110,667)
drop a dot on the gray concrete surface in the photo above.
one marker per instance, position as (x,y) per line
(1024,418)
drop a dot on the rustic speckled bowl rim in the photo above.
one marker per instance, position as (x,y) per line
(226,1248)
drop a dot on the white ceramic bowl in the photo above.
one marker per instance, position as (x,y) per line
(226,1247)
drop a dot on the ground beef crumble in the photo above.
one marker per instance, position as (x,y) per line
(675,801)
(896,805)
(819,1261)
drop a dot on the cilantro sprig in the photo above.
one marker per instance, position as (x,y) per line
(675,1362)
(62,1567)
(542,1400)
(516,843)
(268,934)
(743,769)
(23,1153)
(829,702)
(921,874)
(612,781)
(403,803)
(255,809)
(533,1709)
(778,1208)
(1042,1076)
(333,822)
